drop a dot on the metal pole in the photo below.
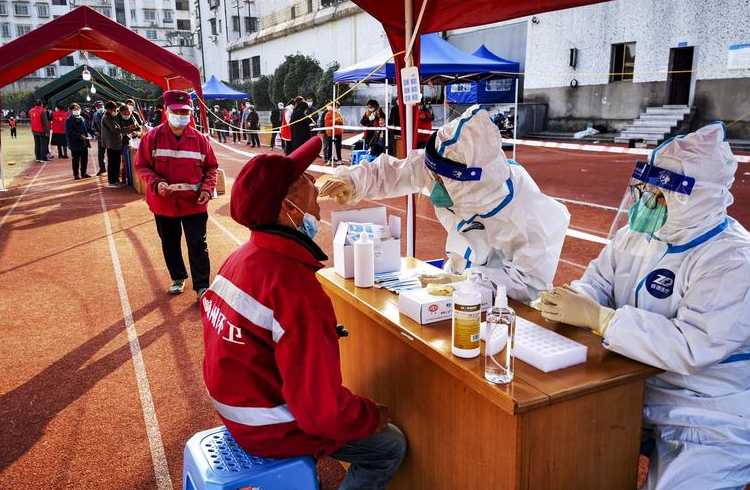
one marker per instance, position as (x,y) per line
(387,115)
(410,222)
(445,103)
(515,121)
(2,172)
(333,124)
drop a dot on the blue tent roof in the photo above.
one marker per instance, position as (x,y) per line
(483,52)
(439,58)
(215,89)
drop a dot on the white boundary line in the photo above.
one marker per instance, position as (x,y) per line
(20,196)
(158,456)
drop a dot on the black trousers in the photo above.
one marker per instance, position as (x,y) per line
(62,151)
(80,162)
(13,133)
(330,145)
(41,146)
(254,139)
(102,152)
(114,157)
(170,232)
(273,139)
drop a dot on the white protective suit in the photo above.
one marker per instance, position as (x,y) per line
(684,306)
(501,224)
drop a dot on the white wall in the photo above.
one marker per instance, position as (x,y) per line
(654,25)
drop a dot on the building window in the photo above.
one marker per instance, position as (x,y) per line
(213,4)
(251,25)
(183,24)
(22,29)
(3,8)
(168,17)
(112,71)
(256,66)
(214,32)
(623,62)
(151,34)
(149,15)
(50,71)
(234,70)
(42,10)
(59,2)
(183,5)
(235,23)
(21,9)
(133,16)
(246,68)
(67,61)
(5,30)
(105,11)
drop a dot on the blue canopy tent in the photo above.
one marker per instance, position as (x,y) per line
(487,91)
(215,89)
(438,59)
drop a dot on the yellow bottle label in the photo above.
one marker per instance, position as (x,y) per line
(466,320)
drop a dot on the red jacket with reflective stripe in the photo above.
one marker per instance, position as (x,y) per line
(58,122)
(272,365)
(35,116)
(162,158)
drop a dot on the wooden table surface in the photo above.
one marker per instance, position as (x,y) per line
(531,388)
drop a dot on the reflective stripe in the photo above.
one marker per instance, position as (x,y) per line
(164,152)
(745,356)
(254,416)
(493,211)
(467,254)
(676,249)
(247,306)
(441,150)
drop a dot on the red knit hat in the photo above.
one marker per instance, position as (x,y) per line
(264,182)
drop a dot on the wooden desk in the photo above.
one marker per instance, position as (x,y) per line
(573,429)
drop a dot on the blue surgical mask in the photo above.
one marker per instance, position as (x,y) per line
(309,226)
(439,195)
(645,219)
(177,120)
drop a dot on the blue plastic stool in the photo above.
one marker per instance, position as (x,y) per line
(213,460)
(358,156)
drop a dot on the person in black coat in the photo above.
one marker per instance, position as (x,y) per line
(276,123)
(76,132)
(301,125)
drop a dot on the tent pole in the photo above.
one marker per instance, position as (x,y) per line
(515,121)
(332,145)
(2,171)
(387,116)
(445,103)
(409,134)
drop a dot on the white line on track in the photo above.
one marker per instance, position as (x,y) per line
(584,203)
(158,457)
(226,230)
(577,266)
(20,196)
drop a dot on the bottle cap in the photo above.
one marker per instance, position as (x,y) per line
(501,298)
(364,237)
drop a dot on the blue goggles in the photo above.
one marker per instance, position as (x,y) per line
(445,167)
(663,178)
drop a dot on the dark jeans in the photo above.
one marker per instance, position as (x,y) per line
(254,139)
(41,146)
(329,146)
(102,152)
(273,140)
(80,161)
(113,165)
(222,135)
(62,151)
(236,136)
(170,232)
(374,460)
(13,133)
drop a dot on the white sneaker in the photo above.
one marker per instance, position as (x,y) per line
(177,286)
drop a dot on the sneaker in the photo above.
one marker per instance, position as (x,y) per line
(201,292)
(86,176)
(113,186)
(101,172)
(177,286)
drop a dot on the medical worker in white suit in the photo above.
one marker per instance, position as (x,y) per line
(672,290)
(497,219)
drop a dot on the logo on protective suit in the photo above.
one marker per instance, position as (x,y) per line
(660,283)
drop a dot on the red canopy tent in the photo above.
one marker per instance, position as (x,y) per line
(400,16)
(87,30)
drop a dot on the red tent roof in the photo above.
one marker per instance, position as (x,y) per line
(86,29)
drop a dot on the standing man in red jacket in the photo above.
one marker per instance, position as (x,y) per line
(40,130)
(272,365)
(178,166)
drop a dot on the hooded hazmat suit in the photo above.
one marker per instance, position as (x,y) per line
(500,224)
(683,305)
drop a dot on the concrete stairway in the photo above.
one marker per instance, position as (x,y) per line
(656,124)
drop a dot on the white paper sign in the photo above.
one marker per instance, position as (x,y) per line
(738,57)
(411,90)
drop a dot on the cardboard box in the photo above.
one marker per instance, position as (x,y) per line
(425,308)
(387,252)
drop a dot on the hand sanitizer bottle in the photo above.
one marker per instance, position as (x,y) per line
(364,261)
(467,316)
(499,336)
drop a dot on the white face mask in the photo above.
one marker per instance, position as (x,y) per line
(177,120)
(76,113)
(127,118)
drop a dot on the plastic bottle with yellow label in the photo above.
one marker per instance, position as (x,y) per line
(467,316)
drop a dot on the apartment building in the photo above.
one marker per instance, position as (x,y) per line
(169,23)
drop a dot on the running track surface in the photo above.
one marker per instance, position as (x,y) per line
(102,381)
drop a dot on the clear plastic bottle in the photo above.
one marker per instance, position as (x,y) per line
(500,333)
(364,262)
(467,317)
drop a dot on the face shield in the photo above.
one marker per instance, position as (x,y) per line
(645,206)
(442,168)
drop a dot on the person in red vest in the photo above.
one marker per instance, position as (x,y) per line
(272,365)
(424,122)
(58,131)
(40,130)
(285,133)
(178,167)
(12,126)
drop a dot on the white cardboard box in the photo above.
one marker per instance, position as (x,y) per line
(425,308)
(387,252)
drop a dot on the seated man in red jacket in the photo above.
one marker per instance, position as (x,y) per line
(272,365)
